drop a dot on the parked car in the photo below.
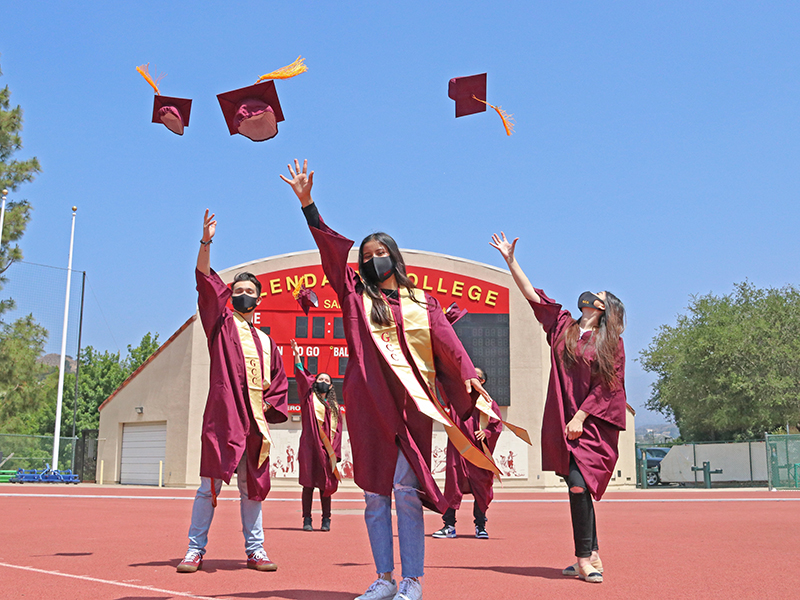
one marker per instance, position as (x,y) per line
(654,457)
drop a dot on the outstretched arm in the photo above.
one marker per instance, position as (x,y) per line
(204,256)
(506,249)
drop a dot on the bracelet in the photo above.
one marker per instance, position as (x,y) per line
(206,243)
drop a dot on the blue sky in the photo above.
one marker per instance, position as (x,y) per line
(656,148)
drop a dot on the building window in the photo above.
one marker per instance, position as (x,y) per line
(301,327)
(318,331)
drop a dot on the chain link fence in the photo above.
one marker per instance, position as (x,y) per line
(783,455)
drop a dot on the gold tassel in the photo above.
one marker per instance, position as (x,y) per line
(286,72)
(301,283)
(508,121)
(144,71)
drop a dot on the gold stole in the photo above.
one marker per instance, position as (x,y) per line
(319,410)
(258,378)
(485,407)
(417,330)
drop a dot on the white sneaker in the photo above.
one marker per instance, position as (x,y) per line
(380,590)
(409,589)
(448,531)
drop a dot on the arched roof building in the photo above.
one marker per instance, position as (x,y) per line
(152,422)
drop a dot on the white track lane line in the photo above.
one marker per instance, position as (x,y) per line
(111,582)
(361,500)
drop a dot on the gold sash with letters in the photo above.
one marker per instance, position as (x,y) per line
(258,377)
(319,410)
(416,326)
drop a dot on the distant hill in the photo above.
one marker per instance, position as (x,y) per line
(53,360)
(657,434)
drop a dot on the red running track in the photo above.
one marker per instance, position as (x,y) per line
(90,542)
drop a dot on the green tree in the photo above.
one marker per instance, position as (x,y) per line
(100,374)
(23,385)
(729,369)
(13,173)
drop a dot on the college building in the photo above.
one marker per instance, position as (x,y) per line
(150,426)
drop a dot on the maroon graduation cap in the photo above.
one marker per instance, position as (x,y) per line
(255,111)
(465,90)
(469,94)
(454,313)
(305,297)
(173,113)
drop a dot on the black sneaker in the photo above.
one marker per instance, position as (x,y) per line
(307,524)
(326,524)
(480,532)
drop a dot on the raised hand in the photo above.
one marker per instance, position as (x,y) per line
(301,181)
(295,350)
(209,227)
(505,247)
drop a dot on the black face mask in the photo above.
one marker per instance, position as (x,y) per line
(588,299)
(322,387)
(243,303)
(379,268)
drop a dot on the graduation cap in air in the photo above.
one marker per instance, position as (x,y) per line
(255,111)
(305,297)
(454,313)
(470,96)
(172,112)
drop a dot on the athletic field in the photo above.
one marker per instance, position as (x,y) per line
(121,542)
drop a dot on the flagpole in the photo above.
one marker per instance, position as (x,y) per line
(60,397)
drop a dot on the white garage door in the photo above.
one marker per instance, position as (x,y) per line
(143,446)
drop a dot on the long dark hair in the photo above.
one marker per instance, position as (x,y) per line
(381,313)
(605,339)
(328,399)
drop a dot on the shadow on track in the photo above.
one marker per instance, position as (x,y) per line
(540,572)
(210,565)
(294,595)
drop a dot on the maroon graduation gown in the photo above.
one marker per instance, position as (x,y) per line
(380,413)
(229,429)
(461,476)
(315,466)
(574,388)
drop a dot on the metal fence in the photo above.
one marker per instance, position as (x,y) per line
(33,451)
(783,456)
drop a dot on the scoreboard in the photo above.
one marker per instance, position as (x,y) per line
(320,334)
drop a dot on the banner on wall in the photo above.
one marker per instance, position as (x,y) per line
(510,455)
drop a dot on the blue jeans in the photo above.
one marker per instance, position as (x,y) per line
(410,526)
(203,513)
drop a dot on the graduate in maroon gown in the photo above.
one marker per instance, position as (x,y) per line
(462,477)
(247,390)
(585,406)
(320,441)
(400,347)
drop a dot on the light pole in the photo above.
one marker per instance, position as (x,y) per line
(60,397)
(3,214)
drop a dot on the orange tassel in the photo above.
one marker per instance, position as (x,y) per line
(286,72)
(508,120)
(144,71)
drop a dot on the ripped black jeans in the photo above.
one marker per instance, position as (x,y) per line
(584,529)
